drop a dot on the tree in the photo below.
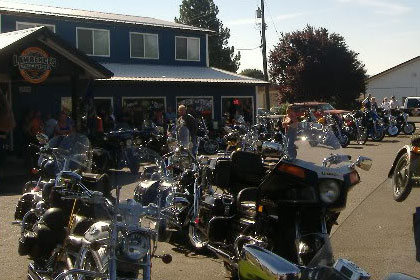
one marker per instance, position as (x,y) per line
(313,65)
(253,73)
(203,14)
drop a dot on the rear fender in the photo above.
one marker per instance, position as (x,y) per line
(413,158)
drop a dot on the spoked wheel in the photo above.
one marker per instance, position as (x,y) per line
(344,139)
(362,136)
(401,180)
(409,128)
(211,146)
(378,135)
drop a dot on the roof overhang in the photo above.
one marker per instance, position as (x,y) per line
(11,40)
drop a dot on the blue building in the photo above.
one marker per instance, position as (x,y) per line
(157,65)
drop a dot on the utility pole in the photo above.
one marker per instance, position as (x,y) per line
(264,54)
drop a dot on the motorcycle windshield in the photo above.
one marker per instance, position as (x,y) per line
(313,142)
(73,151)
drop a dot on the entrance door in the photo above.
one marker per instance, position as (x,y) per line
(235,107)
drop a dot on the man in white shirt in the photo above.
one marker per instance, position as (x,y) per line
(393,103)
(385,104)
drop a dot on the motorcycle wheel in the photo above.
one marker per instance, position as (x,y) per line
(378,135)
(362,137)
(401,179)
(392,133)
(344,139)
(313,143)
(409,128)
(211,147)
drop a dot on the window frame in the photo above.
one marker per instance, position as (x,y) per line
(93,41)
(144,45)
(199,47)
(34,23)
(239,96)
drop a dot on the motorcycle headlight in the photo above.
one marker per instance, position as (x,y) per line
(135,246)
(329,191)
(129,142)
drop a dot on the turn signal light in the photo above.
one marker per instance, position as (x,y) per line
(354,178)
(260,209)
(293,170)
(415,149)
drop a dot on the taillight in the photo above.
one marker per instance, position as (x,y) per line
(34,171)
(354,178)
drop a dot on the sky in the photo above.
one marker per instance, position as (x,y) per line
(384,32)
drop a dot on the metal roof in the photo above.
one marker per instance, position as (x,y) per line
(165,73)
(7,39)
(13,39)
(14,7)
(393,68)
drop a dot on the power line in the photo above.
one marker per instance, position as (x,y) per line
(250,49)
(272,20)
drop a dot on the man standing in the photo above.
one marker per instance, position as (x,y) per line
(393,103)
(191,123)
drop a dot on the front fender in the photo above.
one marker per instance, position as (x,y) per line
(413,158)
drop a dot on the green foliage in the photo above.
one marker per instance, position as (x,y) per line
(203,14)
(314,65)
(253,73)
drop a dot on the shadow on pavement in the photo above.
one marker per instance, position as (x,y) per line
(390,141)
(12,185)
(181,243)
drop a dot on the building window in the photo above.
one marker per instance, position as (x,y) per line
(187,48)
(138,111)
(26,25)
(235,108)
(198,106)
(93,41)
(144,45)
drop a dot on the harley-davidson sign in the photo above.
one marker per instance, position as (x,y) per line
(34,64)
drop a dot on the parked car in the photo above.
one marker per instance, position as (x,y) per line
(319,109)
(411,106)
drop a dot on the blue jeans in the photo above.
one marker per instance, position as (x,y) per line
(194,140)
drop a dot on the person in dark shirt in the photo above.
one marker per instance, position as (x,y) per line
(192,125)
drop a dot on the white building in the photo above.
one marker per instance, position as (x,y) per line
(401,81)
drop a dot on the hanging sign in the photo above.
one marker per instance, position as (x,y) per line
(34,64)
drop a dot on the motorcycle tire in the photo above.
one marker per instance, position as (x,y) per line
(409,128)
(379,136)
(362,137)
(344,139)
(401,179)
(394,134)
(211,147)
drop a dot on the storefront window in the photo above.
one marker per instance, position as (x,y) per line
(198,106)
(233,108)
(137,110)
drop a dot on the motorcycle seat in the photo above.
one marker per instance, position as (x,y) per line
(247,170)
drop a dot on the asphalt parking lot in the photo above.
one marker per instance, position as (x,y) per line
(377,236)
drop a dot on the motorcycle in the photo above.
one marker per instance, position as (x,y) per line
(210,146)
(405,171)
(353,127)
(402,122)
(116,150)
(289,209)
(390,122)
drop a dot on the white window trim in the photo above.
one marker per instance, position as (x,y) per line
(104,98)
(34,23)
(198,97)
(144,45)
(93,41)
(199,47)
(143,97)
(226,97)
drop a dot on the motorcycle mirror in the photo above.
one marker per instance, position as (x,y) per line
(42,138)
(166,258)
(364,163)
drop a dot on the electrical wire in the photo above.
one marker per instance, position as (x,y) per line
(272,20)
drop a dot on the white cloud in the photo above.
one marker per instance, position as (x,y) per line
(246,21)
(382,6)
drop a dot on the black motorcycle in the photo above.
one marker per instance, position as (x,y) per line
(402,122)
(116,150)
(289,209)
(354,128)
